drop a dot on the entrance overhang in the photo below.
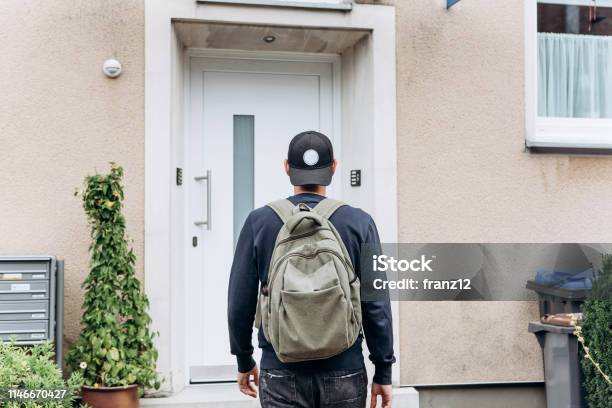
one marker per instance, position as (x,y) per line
(363,40)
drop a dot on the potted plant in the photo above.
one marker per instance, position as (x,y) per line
(114,351)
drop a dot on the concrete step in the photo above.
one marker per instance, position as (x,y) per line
(228,396)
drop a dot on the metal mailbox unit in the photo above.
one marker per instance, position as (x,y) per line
(32,300)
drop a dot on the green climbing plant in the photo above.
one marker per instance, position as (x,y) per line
(115,346)
(595,335)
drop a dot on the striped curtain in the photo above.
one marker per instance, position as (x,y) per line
(574,75)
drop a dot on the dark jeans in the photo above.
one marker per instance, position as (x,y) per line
(327,389)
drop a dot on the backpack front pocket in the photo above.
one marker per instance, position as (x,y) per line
(312,325)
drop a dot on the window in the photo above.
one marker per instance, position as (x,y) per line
(244,170)
(569,73)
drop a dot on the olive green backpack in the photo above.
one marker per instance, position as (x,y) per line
(310,308)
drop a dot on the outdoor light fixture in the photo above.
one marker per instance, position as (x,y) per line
(111,68)
(269,39)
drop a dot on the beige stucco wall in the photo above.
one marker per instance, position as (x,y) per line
(462,172)
(62,119)
(463,176)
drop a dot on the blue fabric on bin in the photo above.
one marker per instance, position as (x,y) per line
(582,280)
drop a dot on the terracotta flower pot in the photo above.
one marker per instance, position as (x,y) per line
(111,397)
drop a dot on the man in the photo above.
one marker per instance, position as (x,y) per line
(339,381)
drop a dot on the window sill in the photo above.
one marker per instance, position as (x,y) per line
(571,133)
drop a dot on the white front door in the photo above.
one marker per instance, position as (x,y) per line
(242,115)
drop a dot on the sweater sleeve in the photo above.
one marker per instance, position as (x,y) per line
(378,325)
(242,299)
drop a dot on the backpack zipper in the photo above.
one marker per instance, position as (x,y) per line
(292,238)
(302,235)
(275,269)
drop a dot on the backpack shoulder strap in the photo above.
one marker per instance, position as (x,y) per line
(327,207)
(283,208)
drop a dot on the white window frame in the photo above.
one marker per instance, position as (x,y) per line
(342,5)
(548,132)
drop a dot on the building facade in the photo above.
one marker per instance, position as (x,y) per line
(431,104)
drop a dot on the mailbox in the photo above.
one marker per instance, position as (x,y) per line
(32,301)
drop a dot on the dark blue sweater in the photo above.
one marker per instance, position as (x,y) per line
(250,269)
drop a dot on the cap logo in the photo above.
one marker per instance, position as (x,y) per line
(311,157)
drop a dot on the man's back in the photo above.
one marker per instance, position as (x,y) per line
(341,379)
(249,272)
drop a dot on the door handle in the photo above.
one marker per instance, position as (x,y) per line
(208,200)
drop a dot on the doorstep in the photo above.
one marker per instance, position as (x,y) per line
(228,396)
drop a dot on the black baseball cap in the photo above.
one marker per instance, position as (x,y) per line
(310,158)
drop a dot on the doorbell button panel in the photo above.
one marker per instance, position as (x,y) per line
(355,178)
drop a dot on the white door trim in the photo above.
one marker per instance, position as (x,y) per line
(164,100)
(263,63)
(262,55)
(332,59)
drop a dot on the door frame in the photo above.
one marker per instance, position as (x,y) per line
(276,58)
(163,135)
(332,59)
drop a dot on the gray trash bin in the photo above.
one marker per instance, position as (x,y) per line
(554,300)
(562,371)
